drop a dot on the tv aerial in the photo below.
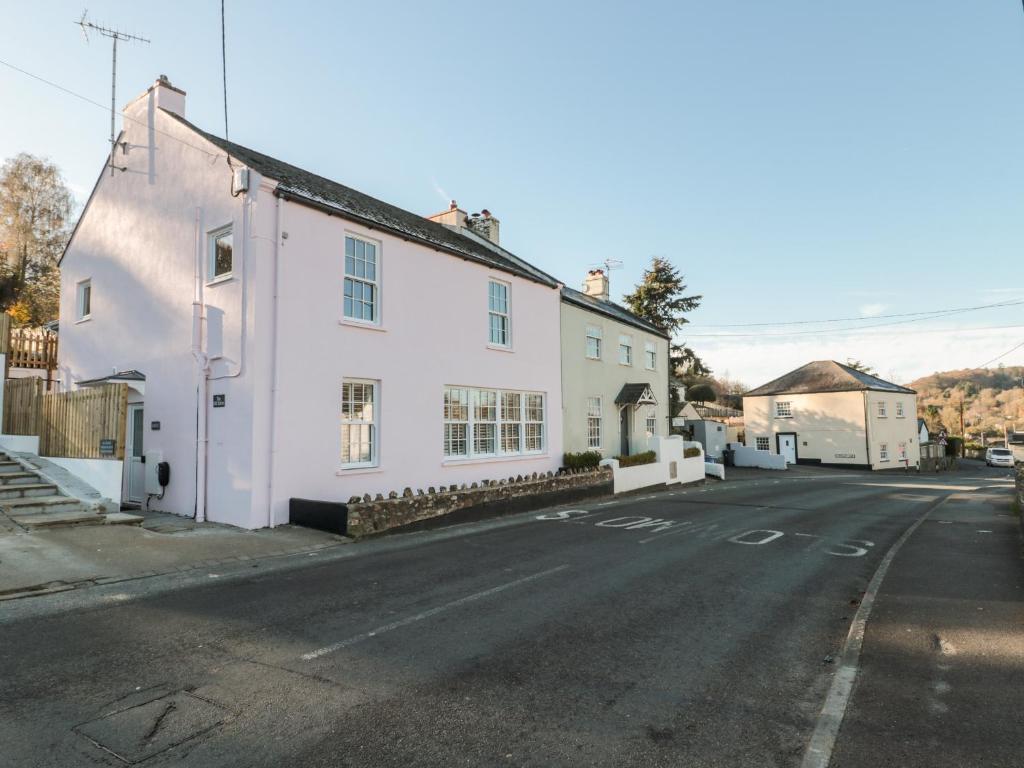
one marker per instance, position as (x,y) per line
(114,35)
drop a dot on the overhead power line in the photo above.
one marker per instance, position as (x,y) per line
(738,336)
(1000,357)
(862,318)
(817,331)
(212,155)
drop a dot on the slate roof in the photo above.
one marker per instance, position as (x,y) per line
(826,376)
(610,309)
(130,375)
(303,186)
(631,394)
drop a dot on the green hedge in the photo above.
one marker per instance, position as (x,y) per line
(581,460)
(954,446)
(691,453)
(647,457)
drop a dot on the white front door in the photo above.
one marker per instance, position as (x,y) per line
(787,448)
(135,470)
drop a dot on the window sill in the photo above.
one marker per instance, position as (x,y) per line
(493,459)
(595,359)
(783,417)
(626,365)
(500,348)
(85,319)
(345,472)
(364,326)
(220,279)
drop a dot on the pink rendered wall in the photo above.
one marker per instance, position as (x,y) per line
(433,333)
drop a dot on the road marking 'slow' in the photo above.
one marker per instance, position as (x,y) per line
(823,740)
(427,614)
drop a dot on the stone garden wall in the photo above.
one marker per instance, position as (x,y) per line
(368,515)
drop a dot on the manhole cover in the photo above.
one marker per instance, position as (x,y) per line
(137,733)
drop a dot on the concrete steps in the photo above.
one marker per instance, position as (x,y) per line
(31,502)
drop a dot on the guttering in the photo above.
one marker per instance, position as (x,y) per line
(295,197)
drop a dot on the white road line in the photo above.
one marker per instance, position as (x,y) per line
(427,614)
(823,740)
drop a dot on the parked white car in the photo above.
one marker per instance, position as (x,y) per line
(999,457)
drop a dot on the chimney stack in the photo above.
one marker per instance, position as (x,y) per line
(160,94)
(596,285)
(482,224)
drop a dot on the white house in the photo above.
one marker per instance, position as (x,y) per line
(829,413)
(614,373)
(286,336)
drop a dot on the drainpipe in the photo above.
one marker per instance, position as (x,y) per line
(202,369)
(274,383)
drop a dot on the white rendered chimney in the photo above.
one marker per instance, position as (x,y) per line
(596,285)
(160,95)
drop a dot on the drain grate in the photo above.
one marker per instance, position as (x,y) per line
(142,731)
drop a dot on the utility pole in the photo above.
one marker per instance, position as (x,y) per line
(962,433)
(114,35)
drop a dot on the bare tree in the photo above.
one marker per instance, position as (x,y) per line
(35,213)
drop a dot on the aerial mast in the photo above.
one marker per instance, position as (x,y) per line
(114,35)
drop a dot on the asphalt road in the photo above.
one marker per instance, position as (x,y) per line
(697,627)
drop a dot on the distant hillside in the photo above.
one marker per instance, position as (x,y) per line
(992,397)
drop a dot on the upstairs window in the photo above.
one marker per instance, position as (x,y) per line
(83,300)
(498,315)
(625,349)
(358,423)
(593,342)
(650,355)
(783,409)
(882,413)
(220,257)
(899,409)
(362,280)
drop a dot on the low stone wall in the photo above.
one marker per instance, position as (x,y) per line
(939,464)
(369,515)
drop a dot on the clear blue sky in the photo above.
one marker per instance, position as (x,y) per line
(794,159)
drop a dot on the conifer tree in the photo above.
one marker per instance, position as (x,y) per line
(661,300)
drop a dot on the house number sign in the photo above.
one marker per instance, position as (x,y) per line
(218,401)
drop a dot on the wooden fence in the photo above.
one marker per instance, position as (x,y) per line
(85,424)
(33,348)
(5,332)
(23,401)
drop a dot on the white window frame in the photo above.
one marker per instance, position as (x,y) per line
(374,284)
(462,416)
(595,422)
(883,452)
(651,422)
(783,409)
(596,334)
(899,410)
(625,345)
(373,423)
(882,410)
(497,313)
(83,312)
(650,356)
(767,443)
(211,255)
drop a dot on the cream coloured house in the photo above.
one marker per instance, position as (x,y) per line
(829,413)
(614,373)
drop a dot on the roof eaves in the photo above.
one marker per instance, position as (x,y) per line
(627,317)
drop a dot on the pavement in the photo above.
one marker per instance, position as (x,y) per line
(697,627)
(45,561)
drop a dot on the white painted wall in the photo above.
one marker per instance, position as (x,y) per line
(104,475)
(669,450)
(751,457)
(20,443)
